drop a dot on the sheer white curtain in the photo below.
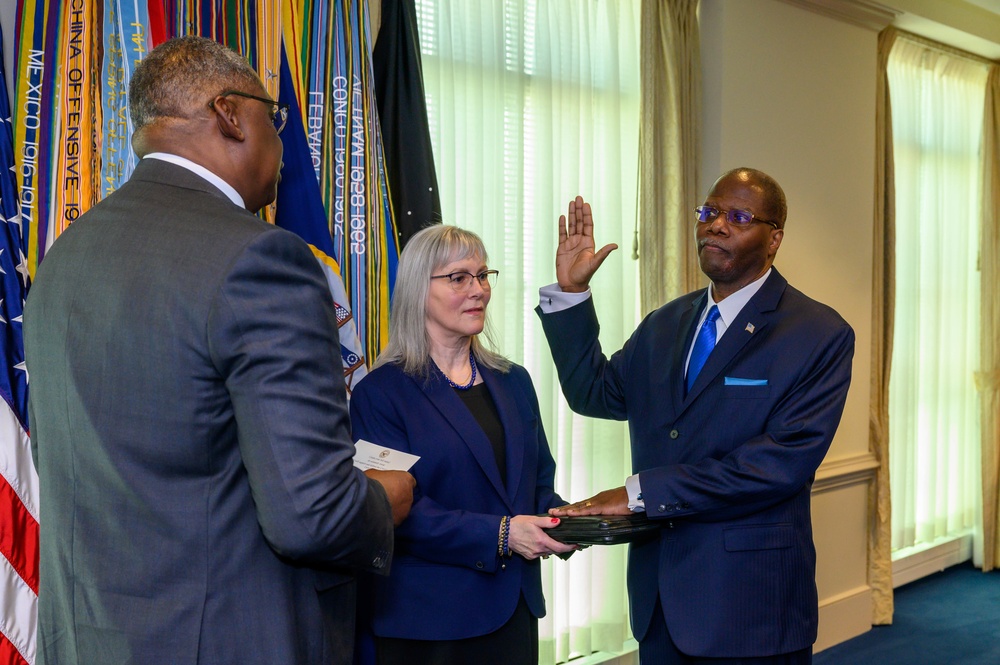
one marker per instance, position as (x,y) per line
(937,121)
(531,103)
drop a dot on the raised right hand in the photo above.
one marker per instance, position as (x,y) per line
(576,261)
(398,486)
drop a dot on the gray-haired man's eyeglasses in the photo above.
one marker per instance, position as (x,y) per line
(279,115)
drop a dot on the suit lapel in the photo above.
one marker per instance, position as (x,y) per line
(451,408)
(751,320)
(679,350)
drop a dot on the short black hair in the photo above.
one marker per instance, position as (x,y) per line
(774,196)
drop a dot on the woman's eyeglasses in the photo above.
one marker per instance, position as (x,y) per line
(462,281)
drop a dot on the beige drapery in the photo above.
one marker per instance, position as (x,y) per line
(883,302)
(988,378)
(669,131)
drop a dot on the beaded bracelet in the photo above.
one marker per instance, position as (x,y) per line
(503,540)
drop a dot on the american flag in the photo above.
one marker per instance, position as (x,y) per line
(18,480)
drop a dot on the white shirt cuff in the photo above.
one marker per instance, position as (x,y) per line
(552,299)
(635,502)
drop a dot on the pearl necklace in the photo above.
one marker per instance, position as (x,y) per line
(472,363)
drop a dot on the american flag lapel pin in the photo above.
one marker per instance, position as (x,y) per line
(749,328)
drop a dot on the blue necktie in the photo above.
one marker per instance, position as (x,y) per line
(703,346)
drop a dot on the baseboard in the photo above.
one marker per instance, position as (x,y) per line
(913,563)
(629,655)
(844,616)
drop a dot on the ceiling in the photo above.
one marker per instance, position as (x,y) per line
(969,25)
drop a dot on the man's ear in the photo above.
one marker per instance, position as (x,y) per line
(775,242)
(227,118)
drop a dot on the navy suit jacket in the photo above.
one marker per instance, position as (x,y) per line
(727,469)
(190,428)
(446,580)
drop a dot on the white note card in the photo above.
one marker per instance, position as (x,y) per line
(380,458)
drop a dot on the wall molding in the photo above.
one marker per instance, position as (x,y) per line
(863,13)
(845,471)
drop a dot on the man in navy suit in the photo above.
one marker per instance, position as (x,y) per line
(188,415)
(724,454)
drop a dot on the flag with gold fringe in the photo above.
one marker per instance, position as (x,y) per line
(74,60)
(126,38)
(301,210)
(328,46)
(73,128)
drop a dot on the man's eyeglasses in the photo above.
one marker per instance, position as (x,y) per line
(462,281)
(279,114)
(735,216)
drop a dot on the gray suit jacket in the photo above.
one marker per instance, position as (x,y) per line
(190,429)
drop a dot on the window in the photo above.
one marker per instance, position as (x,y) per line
(531,103)
(937,119)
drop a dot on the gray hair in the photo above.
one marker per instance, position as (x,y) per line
(426,252)
(181,75)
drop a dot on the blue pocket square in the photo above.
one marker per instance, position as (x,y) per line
(734,381)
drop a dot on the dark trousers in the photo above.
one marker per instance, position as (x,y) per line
(657,648)
(514,643)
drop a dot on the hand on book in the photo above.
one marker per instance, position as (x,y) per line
(608,502)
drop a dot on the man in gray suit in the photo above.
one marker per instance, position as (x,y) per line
(188,415)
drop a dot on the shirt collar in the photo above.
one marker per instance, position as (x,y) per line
(200,170)
(730,307)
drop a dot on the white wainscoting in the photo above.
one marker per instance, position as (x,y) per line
(840,530)
(912,563)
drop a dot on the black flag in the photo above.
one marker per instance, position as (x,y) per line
(402,112)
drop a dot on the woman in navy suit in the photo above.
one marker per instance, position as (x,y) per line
(465,584)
